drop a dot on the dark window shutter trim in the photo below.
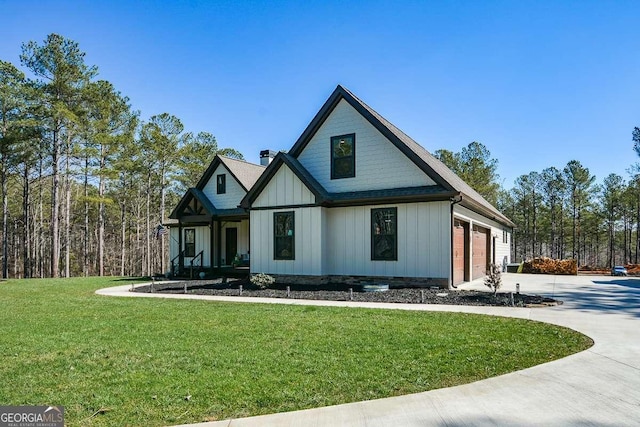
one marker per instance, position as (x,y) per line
(350,160)
(221,183)
(384,239)
(284,241)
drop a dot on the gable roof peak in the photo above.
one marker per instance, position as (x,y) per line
(284,159)
(244,172)
(422,158)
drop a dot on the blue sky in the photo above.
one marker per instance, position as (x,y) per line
(539,83)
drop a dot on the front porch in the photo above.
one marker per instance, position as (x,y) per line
(207,240)
(222,245)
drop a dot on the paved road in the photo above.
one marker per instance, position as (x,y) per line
(598,387)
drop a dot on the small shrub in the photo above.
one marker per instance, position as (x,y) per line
(262,280)
(494,278)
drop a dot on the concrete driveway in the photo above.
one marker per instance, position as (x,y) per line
(598,387)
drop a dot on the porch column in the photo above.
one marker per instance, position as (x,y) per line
(180,253)
(219,243)
(212,255)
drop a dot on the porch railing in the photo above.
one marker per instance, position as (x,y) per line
(175,269)
(194,263)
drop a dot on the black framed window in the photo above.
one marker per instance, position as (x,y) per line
(384,234)
(343,156)
(189,242)
(504,236)
(283,235)
(221,182)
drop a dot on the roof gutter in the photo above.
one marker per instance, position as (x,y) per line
(407,198)
(477,208)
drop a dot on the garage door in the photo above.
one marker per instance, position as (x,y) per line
(458,252)
(479,257)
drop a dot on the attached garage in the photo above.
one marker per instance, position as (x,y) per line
(479,257)
(460,251)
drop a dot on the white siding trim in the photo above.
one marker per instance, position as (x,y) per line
(203,243)
(379,163)
(308,235)
(337,241)
(173,242)
(424,241)
(234,191)
(284,189)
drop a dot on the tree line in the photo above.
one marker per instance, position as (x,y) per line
(561,213)
(84,181)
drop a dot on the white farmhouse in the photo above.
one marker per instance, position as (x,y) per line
(355,199)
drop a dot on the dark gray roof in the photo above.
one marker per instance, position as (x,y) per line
(433,167)
(230,212)
(425,193)
(351,198)
(244,172)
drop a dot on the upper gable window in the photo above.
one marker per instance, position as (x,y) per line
(221,182)
(343,156)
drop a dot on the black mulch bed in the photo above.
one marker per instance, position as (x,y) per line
(337,292)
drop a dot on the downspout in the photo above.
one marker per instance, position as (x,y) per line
(454,201)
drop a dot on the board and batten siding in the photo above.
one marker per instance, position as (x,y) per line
(379,163)
(424,241)
(284,189)
(173,242)
(502,249)
(203,239)
(308,238)
(243,239)
(234,191)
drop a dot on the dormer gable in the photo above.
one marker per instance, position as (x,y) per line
(245,173)
(195,206)
(285,183)
(226,181)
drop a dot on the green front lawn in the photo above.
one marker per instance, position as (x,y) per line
(135,361)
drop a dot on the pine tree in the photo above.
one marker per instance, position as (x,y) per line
(59,64)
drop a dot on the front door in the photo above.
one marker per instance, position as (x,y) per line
(231,244)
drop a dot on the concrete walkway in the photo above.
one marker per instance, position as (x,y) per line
(598,387)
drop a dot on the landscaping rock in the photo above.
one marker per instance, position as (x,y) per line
(337,292)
